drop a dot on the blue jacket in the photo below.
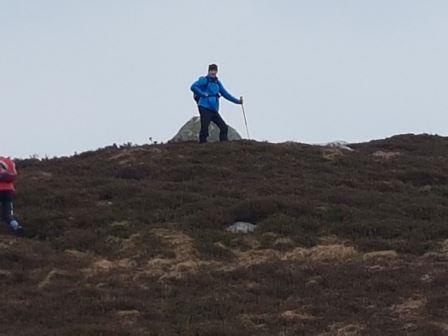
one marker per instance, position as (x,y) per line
(209,90)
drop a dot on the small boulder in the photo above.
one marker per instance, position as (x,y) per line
(242,227)
(338,144)
(190,132)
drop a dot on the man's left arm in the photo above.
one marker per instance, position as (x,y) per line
(7,177)
(227,95)
(7,174)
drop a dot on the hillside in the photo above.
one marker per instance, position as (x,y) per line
(133,241)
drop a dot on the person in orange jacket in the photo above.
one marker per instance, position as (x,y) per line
(8,174)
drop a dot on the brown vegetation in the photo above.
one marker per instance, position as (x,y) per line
(133,241)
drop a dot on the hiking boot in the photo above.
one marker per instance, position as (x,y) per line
(16,228)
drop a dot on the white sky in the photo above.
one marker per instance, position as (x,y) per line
(81,74)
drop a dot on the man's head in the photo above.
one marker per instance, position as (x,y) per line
(213,70)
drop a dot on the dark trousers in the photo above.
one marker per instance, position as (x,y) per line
(207,117)
(6,199)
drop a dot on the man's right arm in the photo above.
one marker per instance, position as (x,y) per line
(196,87)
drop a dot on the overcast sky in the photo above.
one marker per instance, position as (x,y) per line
(81,74)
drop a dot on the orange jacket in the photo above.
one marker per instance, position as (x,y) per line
(8,174)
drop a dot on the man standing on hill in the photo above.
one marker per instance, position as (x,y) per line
(8,174)
(207,91)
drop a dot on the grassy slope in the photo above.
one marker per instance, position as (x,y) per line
(132,241)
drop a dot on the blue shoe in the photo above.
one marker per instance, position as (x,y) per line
(16,228)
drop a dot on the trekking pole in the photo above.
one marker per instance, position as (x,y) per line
(245,120)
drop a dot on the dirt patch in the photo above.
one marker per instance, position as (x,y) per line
(411,308)
(51,276)
(350,330)
(296,315)
(332,253)
(317,254)
(322,254)
(332,154)
(186,258)
(127,156)
(180,243)
(380,256)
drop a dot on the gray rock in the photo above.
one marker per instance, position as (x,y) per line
(242,227)
(338,144)
(190,132)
